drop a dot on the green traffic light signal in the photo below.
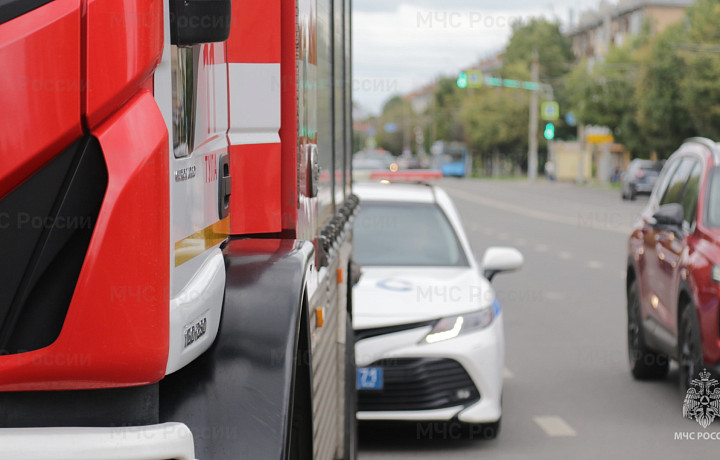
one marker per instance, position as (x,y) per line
(549,131)
(462,80)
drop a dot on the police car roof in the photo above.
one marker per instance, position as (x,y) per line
(384,191)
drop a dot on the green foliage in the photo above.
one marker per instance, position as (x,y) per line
(447,99)
(496,119)
(398,112)
(700,85)
(663,119)
(553,48)
(604,95)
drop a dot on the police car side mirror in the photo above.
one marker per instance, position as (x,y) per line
(199,21)
(501,259)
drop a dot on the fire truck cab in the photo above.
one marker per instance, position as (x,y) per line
(176,216)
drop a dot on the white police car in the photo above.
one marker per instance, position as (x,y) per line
(429,329)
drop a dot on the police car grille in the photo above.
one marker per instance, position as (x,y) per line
(419,384)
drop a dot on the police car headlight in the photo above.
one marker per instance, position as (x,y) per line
(453,326)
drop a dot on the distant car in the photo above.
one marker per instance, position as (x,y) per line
(368,161)
(673,269)
(428,326)
(639,179)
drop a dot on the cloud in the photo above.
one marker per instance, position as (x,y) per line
(403,50)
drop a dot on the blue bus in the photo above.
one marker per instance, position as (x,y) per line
(452,158)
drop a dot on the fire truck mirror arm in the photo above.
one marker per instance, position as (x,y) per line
(199,21)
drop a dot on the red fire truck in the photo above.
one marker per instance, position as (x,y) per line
(175,230)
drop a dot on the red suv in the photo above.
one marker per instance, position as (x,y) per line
(673,268)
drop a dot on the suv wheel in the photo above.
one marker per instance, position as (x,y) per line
(689,347)
(645,364)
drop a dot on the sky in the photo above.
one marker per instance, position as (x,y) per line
(402,45)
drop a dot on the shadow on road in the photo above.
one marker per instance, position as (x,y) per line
(430,436)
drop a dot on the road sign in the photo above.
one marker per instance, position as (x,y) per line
(549,111)
(570,119)
(599,135)
(600,138)
(475,79)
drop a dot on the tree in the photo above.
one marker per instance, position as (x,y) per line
(699,89)
(604,94)
(496,120)
(553,48)
(662,116)
(444,111)
(393,124)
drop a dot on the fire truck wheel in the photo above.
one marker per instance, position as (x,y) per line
(351,429)
(301,435)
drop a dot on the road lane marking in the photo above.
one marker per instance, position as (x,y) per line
(541,248)
(503,236)
(564,255)
(535,214)
(554,426)
(552,295)
(507,373)
(594,264)
(520,241)
(488,231)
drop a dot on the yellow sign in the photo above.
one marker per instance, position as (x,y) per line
(600,138)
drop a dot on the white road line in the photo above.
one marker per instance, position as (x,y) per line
(503,236)
(554,426)
(535,214)
(541,248)
(520,241)
(564,255)
(553,295)
(507,373)
(488,231)
(594,264)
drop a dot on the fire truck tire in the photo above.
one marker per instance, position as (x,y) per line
(351,429)
(300,431)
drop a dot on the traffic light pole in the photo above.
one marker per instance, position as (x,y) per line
(533,128)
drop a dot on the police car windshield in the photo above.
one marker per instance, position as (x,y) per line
(405,234)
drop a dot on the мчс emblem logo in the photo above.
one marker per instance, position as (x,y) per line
(702,401)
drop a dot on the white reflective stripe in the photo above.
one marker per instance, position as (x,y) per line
(153,442)
(254,103)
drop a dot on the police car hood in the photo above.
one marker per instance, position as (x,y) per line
(401,295)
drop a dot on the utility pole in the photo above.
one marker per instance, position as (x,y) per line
(533,128)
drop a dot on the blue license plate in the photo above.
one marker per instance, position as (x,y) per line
(369,378)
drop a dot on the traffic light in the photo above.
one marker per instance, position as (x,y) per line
(549,131)
(462,80)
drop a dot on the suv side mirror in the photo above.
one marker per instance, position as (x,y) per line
(199,21)
(500,259)
(669,215)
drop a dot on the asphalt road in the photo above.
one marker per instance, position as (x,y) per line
(568,391)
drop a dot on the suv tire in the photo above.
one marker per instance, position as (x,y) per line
(690,357)
(645,364)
